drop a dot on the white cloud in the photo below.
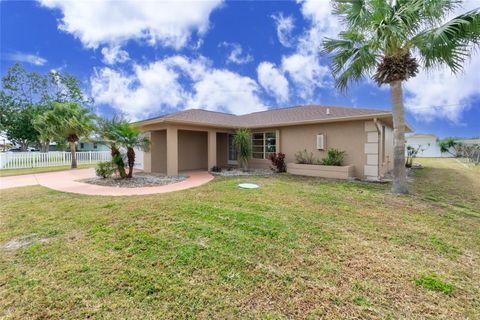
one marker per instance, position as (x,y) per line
(440,94)
(223,90)
(304,67)
(236,54)
(284,29)
(320,15)
(26,57)
(306,72)
(113,55)
(175,83)
(169,23)
(150,88)
(273,81)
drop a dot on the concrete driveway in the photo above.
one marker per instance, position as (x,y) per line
(66,181)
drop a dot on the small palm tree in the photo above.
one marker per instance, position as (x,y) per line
(69,121)
(243,145)
(106,133)
(392,39)
(130,137)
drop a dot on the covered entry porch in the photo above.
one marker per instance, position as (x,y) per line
(177,149)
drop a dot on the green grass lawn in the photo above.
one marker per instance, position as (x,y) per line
(295,248)
(16,172)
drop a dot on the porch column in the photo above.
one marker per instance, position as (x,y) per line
(172,151)
(147,155)
(212,149)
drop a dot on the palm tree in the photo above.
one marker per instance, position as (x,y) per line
(130,137)
(243,145)
(106,132)
(67,121)
(392,39)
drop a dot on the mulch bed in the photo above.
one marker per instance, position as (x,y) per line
(138,180)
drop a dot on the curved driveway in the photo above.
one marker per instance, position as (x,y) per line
(66,181)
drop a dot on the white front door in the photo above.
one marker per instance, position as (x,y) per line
(232,153)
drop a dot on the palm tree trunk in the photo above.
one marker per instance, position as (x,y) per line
(399,184)
(118,161)
(131,161)
(74,154)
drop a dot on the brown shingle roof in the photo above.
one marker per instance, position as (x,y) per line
(269,118)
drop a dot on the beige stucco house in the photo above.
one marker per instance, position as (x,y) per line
(197,139)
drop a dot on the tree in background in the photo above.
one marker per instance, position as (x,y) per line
(392,39)
(450,145)
(130,138)
(68,121)
(243,145)
(26,95)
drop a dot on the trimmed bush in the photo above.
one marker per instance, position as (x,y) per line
(278,162)
(104,169)
(303,157)
(216,169)
(334,158)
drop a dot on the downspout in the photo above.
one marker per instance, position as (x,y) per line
(380,139)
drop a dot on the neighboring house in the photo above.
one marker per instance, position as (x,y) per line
(429,147)
(5,143)
(92,146)
(470,142)
(196,139)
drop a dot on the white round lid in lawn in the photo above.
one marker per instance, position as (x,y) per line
(248,185)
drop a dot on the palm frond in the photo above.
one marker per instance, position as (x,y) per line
(451,43)
(353,57)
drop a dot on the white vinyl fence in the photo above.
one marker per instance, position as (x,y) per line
(18,160)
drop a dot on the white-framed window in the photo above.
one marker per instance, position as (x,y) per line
(263,144)
(321,141)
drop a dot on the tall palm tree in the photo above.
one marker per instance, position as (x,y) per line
(391,40)
(130,137)
(69,121)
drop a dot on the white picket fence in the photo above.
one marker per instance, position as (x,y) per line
(19,160)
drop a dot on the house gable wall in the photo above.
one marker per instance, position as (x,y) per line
(346,136)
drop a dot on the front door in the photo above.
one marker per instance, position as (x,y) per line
(232,153)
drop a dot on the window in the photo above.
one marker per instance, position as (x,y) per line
(232,153)
(82,145)
(321,141)
(263,144)
(94,146)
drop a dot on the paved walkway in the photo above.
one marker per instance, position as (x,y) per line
(66,181)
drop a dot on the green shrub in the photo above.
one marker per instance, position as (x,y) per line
(243,145)
(334,158)
(216,169)
(433,282)
(104,169)
(303,157)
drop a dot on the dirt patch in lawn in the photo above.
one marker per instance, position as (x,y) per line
(19,243)
(137,181)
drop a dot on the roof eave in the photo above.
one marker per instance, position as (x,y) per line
(266,125)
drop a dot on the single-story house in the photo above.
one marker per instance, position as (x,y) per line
(92,146)
(197,139)
(428,144)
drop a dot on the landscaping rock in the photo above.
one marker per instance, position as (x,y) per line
(238,173)
(137,181)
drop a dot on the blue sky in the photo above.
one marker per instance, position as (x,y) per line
(150,58)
